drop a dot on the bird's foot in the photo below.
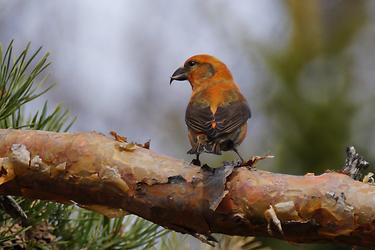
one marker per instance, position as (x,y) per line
(235,164)
(196,162)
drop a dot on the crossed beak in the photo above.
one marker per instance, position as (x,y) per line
(180,74)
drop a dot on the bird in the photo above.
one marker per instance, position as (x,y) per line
(217,113)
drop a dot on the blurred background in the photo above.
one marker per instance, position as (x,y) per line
(306,68)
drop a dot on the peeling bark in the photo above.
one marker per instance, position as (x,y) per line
(111,177)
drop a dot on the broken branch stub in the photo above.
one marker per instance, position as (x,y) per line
(95,172)
(354,164)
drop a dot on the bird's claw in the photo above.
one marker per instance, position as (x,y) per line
(196,162)
(238,164)
(235,164)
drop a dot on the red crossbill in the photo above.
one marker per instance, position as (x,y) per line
(217,113)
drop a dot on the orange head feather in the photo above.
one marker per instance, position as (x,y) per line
(210,80)
(202,71)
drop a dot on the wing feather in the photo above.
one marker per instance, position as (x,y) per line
(227,118)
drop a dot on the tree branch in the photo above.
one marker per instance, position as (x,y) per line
(109,176)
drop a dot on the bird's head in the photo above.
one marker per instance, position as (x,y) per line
(202,70)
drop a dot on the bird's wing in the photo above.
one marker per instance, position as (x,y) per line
(199,118)
(226,119)
(230,117)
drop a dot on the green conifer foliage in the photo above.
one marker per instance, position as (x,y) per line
(51,225)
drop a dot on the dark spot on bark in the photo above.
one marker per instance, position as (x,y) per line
(176,179)
(343,196)
(257,221)
(301,228)
(314,222)
(3,171)
(195,180)
(238,218)
(140,188)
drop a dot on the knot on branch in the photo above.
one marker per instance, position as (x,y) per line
(355,164)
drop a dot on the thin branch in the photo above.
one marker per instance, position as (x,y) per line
(112,177)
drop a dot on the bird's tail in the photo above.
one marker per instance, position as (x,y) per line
(202,144)
(213,148)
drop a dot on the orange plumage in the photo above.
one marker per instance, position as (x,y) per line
(217,113)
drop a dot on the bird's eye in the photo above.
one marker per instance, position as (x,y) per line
(192,63)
